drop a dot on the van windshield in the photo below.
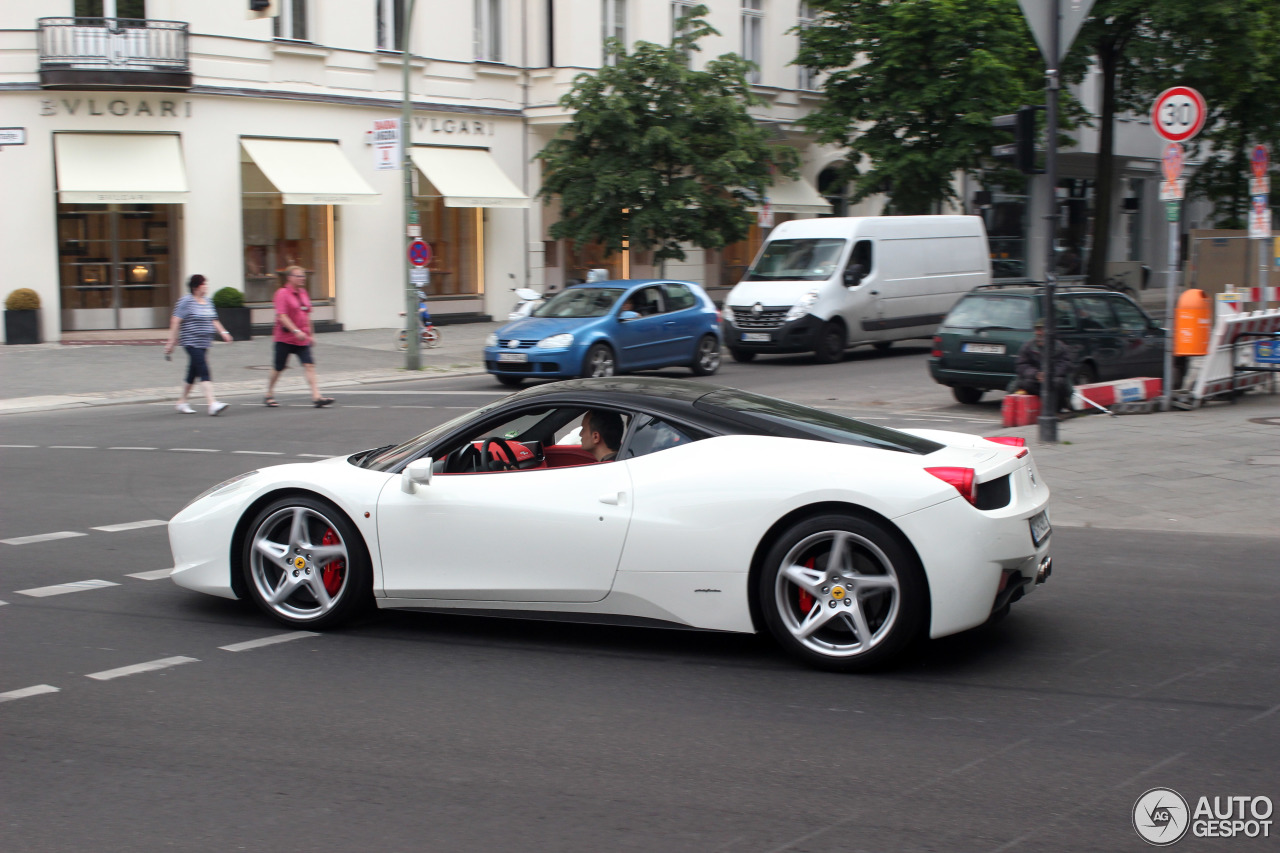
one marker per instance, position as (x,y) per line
(797,260)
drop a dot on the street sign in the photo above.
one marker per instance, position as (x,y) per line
(1178,114)
(1259,186)
(1260,219)
(13,136)
(419,276)
(1071,14)
(1172,210)
(386,144)
(1172,161)
(419,253)
(1260,160)
(1172,190)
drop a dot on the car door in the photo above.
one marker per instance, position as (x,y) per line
(642,341)
(1143,340)
(546,534)
(683,323)
(1101,344)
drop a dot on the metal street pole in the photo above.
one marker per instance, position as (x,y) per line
(413,352)
(1048,397)
(1172,211)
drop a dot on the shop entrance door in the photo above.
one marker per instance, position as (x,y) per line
(115,265)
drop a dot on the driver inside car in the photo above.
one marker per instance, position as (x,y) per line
(601,434)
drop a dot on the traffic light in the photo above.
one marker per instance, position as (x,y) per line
(1023,149)
(262,9)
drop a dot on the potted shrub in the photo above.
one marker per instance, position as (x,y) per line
(232,313)
(22,317)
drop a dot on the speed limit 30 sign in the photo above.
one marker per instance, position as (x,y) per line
(1178,114)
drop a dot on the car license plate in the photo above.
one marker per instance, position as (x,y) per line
(1040,528)
(520,357)
(756,337)
(989,349)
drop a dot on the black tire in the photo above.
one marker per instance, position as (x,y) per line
(966,394)
(882,346)
(706,358)
(879,575)
(742,356)
(510,381)
(295,548)
(1084,375)
(599,361)
(831,344)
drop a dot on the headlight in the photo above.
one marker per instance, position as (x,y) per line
(802,307)
(492,340)
(225,484)
(556,341)
(726,313)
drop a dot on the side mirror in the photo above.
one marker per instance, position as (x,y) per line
(417,471)
(628,315)
(853,277)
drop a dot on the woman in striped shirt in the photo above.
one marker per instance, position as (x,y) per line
(195,322)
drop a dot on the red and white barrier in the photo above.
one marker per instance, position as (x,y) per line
(1107,394)
(1216,374)
(1259,294)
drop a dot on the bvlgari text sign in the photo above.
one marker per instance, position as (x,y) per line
(159,108)
(471,127)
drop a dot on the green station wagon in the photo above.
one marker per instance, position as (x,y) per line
(1108,334)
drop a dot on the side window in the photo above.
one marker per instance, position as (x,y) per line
(649,302)
(678,297)
(859,265)
(1093,314)
(1064,315)
(654,435)
(1131,318)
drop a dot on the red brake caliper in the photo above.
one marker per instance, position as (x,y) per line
(805,600)
(333,573)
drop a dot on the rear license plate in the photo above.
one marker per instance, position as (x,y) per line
(989,349)
(1040,528)
(756,337)
(513,356)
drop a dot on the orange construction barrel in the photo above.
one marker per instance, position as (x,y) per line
(1192,321)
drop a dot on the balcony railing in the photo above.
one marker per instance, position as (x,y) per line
(111,51)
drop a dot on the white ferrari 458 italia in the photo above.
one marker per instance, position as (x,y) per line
(682,505)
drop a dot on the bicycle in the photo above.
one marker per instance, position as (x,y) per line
(430,335)
(1120,282)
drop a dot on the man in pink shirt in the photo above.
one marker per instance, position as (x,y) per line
(292,334)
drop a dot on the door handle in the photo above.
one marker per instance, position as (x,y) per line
(614,499)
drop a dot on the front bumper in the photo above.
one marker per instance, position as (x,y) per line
(538,363)
(797,336)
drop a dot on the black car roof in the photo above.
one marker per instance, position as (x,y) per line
(642,391)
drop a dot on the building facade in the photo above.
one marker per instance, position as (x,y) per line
(163,138)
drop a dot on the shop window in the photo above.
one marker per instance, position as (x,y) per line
(279,235)
(1005,217)
(579,260)
(736,257)
(457,251)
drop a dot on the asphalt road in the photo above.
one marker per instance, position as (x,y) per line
(1148,660)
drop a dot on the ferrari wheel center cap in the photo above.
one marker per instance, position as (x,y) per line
(838,593)
(299,562)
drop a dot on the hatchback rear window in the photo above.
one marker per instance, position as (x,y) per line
(1007,312)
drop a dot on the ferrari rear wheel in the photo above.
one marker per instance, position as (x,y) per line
(305,563)
(841,594)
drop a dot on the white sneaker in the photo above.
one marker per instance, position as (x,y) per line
(185,408)
(215,408)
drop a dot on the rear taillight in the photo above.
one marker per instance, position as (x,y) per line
(937,347)
(961,478)
(1011,440)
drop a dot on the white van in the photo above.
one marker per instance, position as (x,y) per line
(823,285)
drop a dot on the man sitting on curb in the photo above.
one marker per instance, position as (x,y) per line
(1029,375)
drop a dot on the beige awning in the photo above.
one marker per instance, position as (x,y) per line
(467,177)
(309,172)
(120,168)
(799,196)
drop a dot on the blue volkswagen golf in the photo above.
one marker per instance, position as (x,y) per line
(609,327)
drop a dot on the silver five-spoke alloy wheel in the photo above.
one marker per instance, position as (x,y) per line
(707,359)
(600,361)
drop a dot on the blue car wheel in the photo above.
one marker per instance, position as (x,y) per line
(600,361)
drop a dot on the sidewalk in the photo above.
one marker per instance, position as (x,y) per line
(1213,470)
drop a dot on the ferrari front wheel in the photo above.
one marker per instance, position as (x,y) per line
(305,563)
(840,593)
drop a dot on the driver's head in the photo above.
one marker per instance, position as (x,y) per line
(601,432)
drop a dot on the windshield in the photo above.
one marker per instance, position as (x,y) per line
(975,312)
(817,424)
(579,302)
(388,458)
(797,260)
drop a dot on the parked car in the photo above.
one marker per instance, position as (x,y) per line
(608,327)
(722,510)
(1108,335)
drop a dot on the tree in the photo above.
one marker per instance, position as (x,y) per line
(912,88)
(659,154)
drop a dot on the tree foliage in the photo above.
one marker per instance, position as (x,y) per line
(658,153)
(912,87)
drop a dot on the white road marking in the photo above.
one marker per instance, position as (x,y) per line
(23,693)
(72,447)
(350,393)
(259,452)
(130,525)
(131,448)
(64,588)
(193,450)
(43,537)
(315,455)
(3,603)
(267,641)
(350,406)
(149,666)
(28,446)
(151,576)
(422,407)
